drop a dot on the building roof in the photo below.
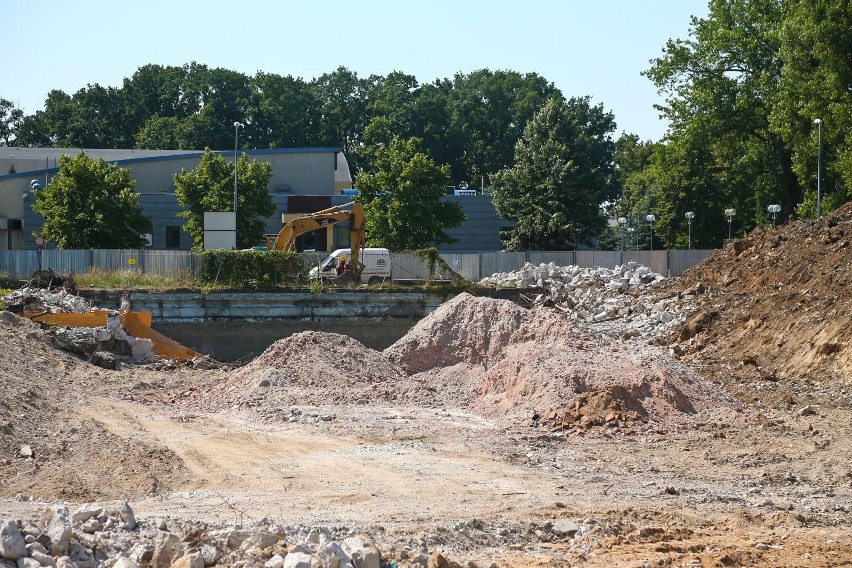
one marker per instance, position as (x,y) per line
(28,157)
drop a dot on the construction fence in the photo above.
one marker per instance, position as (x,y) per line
(404,266)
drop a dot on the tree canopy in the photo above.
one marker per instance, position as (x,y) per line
(561,177)
(210,187)
(91,204)
(402,198)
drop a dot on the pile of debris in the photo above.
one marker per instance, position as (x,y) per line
(43,300)
(106,346)
(490,356)
(108,534)
(615,303)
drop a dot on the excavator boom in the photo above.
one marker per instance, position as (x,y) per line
(352,212)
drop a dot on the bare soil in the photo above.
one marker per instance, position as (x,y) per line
(726,443)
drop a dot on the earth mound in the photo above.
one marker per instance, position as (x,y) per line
(776,313)
(307,368)
(518,363)
(472,330)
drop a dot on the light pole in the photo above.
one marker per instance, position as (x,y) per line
(237,126)
(818,122)
(729,213)
(651,219)
(689,217)
(621,222)
(774,209)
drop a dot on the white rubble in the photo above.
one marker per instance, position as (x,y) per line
(60,301)
(613,302)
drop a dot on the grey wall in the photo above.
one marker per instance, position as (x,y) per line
(481,231)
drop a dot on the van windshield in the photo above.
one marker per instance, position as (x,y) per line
(330,261)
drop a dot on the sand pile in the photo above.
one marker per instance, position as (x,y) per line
(307,368)
(521,363)
(490,356)
(475,331)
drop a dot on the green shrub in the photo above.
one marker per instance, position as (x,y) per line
(252,268)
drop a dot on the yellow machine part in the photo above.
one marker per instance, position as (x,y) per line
(137,324)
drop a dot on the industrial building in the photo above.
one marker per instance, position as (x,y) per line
(303,180)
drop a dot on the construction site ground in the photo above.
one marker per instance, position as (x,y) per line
(495,434)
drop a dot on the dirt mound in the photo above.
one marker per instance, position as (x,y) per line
(307,368)
(64,454)
(472,330)
(502,360)
(777,312)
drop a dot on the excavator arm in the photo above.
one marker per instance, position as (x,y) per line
(352,211)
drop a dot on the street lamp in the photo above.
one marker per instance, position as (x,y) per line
(774,209)
(237,126)
(818,122)
(621,222)
(689,217)
(651,219)
(729,213)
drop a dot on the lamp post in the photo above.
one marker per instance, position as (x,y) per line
(651,219)
(818,122)
(729,213)
(237,126)
(621,222)
(689,217)
(774,209)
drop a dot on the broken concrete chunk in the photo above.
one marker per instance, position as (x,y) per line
(12,545)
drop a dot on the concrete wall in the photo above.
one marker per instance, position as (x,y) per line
(188,307)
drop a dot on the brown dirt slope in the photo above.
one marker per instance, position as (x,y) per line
(774,323)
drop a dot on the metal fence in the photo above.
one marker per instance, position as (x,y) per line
(404,266)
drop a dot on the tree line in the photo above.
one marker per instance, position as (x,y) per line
(741,97)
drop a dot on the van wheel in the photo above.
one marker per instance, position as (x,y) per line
(375,280)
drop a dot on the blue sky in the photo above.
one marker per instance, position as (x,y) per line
(585,47)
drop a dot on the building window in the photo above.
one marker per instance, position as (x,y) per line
(172,237)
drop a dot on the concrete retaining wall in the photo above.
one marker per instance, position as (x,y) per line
(190,307)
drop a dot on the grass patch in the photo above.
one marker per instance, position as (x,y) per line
(132,280)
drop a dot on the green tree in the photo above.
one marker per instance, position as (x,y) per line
(91,204)
(816,79)
(562,176)
(10,121)
(402,198)
(344,114)
(210,187)
(286,112)
(721,150)
(489,110)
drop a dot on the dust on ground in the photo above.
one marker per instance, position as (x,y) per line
(723,443)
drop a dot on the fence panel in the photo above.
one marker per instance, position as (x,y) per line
(494,262)
(167,262)
(559,258)
(68,261)
(680,260)
(465,264)
(19,263)
(108,260)
(408,266)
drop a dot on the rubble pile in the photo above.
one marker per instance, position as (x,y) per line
(106,346)
(42,300)
(108,534)
(488,355)
(614,303)
(307,368)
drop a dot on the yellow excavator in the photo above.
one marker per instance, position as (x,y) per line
(352,212)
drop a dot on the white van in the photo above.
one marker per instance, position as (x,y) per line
(377,266)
